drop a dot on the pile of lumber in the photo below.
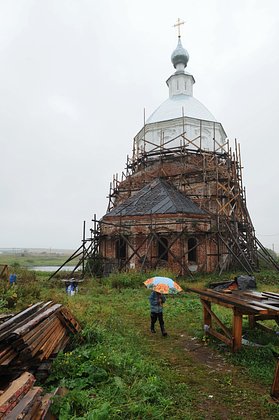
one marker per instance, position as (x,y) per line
(22,400)
(33,335)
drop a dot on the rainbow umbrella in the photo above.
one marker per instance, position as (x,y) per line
(163,285)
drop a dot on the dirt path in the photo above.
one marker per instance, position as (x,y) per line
(219,389)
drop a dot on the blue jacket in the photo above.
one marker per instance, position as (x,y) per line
(156,302)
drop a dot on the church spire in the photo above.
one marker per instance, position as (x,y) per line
(180,82)
(180,56)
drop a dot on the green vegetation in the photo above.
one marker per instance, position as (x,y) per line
(26,259)
(118,370)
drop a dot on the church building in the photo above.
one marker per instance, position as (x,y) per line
(180,202)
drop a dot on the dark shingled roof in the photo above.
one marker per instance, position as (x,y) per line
(158,197)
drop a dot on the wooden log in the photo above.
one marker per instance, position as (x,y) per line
(36,320)
(61,346)
(43,410)
(63,340)
(17,389)
(37,346)
(9,356)
(44,334)
(26,342)
(34,409)
(21,315)
(67,318)
(24,319)
(42,337)
(4,351)
(48,347)
(32,335)
(25,404)
(5,317)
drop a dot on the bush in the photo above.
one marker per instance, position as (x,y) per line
(131,279)
(94,266)
(8,295)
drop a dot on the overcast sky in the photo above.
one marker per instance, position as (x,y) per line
(75,76)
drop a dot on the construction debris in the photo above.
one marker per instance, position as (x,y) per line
(33,335)
(22,400)
(242,282)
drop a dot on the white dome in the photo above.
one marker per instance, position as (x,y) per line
(178,105)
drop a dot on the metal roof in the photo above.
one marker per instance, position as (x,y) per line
(172,108)
(158,197)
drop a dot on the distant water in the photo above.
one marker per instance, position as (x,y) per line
(52,268)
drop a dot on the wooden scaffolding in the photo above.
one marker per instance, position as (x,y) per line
(232,227)
(211,179)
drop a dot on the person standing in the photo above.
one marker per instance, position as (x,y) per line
(12,279)
(157,300)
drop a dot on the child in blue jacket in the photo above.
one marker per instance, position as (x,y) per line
(156,300)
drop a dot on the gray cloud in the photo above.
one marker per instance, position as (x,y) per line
(75,76)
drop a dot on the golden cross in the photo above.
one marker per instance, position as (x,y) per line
(178,24)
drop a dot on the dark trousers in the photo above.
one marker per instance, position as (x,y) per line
(154,317)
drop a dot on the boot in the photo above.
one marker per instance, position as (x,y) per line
(164,333)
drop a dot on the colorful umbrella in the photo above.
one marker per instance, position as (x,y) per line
(162,285)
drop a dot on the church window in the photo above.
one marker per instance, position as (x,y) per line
(192,250)
(120,249)
(162,247)
(177,84)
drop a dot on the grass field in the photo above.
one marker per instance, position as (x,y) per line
(122,371)
(32,260)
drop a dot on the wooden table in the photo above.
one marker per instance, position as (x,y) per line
(258,306)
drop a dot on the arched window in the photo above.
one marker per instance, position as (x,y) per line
(163,249)
(192,250)
(120,249)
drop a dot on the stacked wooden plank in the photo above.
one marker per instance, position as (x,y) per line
(22,400)
(248,302)
(33,335)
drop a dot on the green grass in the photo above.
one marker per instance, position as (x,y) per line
(31,260)
(121,371)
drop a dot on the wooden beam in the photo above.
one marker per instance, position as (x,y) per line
(237,329)
(219,322)
(206,314)
(221,337)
